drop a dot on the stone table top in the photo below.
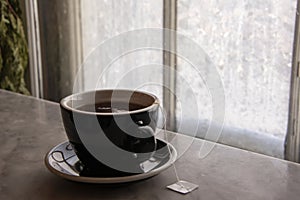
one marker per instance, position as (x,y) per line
(31,127)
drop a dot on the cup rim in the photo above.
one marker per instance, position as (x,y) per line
(65,100)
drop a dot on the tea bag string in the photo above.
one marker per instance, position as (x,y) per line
(166,135)
(184,186)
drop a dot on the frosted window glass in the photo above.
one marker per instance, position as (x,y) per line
(250,43)
(103,19)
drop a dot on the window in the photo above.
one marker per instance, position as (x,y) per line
(101,20)
(250,43)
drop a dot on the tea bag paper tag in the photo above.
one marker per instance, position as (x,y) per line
(183,187)
(148,165)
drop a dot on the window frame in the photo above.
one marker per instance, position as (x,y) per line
(292,142)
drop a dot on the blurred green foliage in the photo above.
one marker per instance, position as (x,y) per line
(13,48)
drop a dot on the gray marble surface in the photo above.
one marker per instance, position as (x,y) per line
(31,127)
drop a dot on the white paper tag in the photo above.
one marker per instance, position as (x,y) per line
(183,187)
(150,164)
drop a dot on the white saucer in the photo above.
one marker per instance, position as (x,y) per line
(62,161)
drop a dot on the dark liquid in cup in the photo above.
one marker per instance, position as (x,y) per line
(108,107)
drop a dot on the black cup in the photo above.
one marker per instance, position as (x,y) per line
(103,122)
